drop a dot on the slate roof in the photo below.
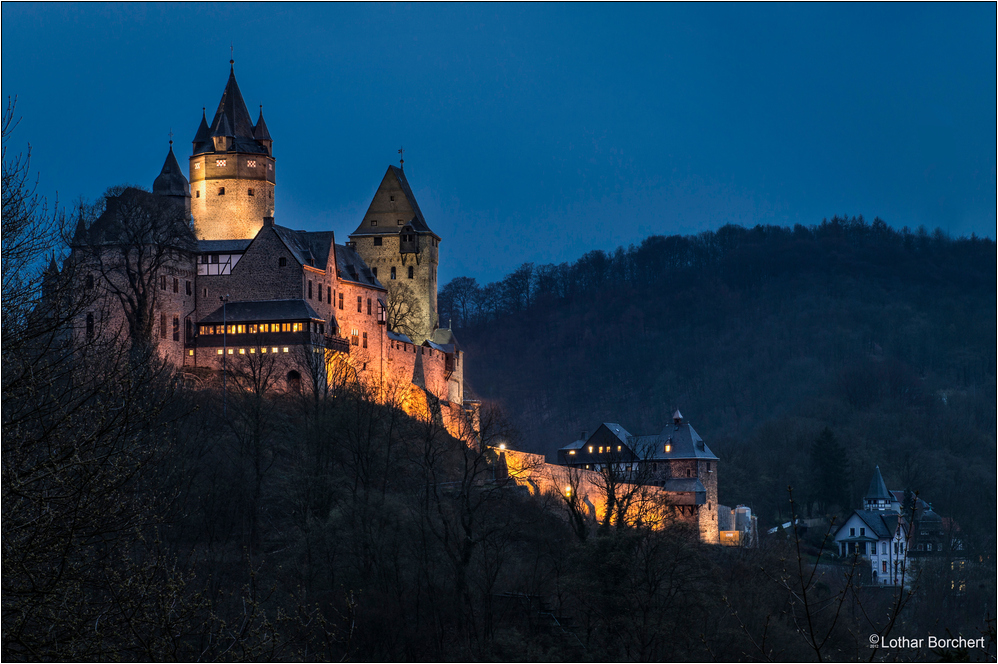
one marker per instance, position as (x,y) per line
(203,134)
(398,336)
(111,226)
(878,489)
(260,131)
(223,246)
(351,267)
(231,119)
(417,222)
(684,484)
(263,310)
(683,440)
(444,336)
(171,180)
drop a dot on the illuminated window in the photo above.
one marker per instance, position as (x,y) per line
(252,351)
(220,162)
(274,349)
(668,447)
(285,349)
(571,451)
(251,163)
(242,351)
(219,351)
(253,329)
(590,449)
(618,448)
(190,352)
(197,166)
(263,350)
(298,327)
(230,351)
(240,329)
(601,449)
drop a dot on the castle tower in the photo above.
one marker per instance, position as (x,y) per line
(399,247)
(171,182)
(232,173)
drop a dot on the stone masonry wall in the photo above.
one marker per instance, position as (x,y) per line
(236,214)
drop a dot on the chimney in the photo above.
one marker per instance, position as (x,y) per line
(677,417)
(584,435)
(268,221)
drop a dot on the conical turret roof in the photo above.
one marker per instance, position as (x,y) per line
(171,180)
(233,109)
(232,119)
(878,489)
(203,134)
(260,131)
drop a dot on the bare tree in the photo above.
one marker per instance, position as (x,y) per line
(405,312)
(130,239)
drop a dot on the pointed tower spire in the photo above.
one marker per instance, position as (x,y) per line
(203,134)
(80,236)
(877,496)
(262,134)
(171,180)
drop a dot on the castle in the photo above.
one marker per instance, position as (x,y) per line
(236,287)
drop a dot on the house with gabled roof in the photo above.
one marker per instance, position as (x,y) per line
(892,531)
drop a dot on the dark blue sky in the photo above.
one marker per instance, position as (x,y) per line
(535,132)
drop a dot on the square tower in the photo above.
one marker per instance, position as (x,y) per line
(399,247)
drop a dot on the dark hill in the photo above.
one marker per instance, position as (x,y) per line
(762,337)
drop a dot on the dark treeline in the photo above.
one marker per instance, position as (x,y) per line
(763,337)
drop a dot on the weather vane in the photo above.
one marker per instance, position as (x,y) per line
(232,57)
(171,135)
(401,160)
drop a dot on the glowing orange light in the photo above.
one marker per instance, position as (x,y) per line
(502,446)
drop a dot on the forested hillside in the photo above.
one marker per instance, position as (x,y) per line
(762,337)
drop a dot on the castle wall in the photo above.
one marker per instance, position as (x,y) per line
(237,214)
(423,283)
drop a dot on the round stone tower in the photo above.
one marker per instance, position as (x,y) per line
(232,171)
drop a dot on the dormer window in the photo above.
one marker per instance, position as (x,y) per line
(399,222)
(374,222)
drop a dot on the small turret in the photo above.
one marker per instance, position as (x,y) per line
(877,496)
(222,136)
(202,136)
(262,134)
(171,182)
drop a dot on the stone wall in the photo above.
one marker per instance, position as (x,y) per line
(237,214)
